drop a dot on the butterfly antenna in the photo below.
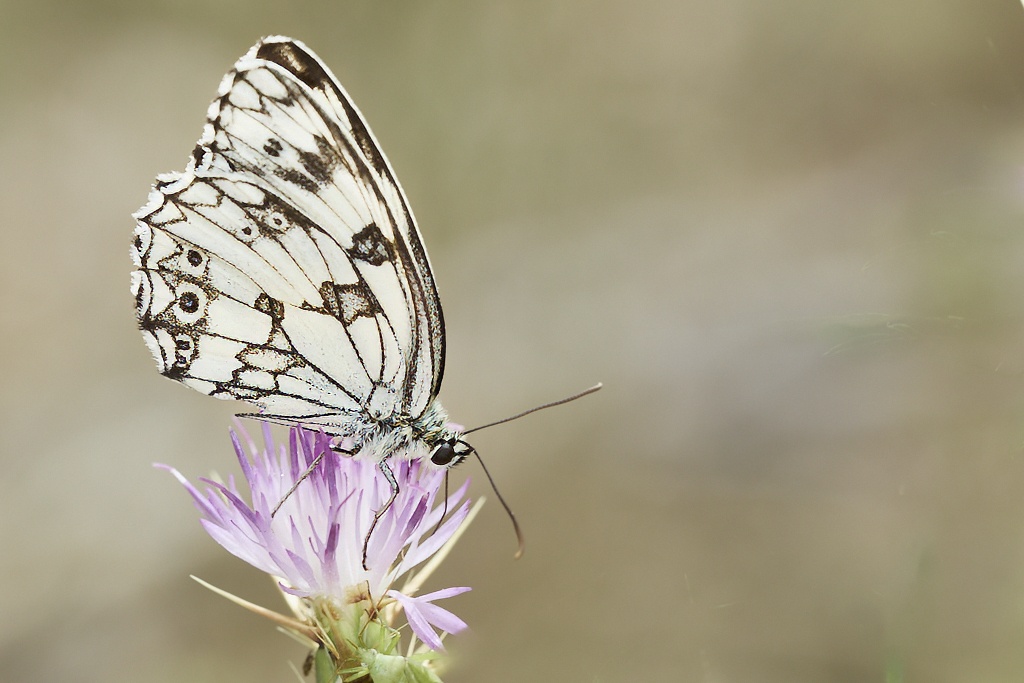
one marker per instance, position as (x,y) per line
(515,524)
(559,402)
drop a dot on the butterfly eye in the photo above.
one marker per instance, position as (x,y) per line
(443,454)
(449,453)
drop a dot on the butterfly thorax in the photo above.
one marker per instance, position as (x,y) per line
(399,436)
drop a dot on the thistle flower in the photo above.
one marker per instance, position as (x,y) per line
(313,547)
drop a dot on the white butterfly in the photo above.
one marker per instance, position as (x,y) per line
(283,267)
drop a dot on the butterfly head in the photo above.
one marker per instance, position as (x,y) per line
(450,452)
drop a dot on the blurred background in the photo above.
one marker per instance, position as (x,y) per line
(785,235)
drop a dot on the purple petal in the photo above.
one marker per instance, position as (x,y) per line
(423,615)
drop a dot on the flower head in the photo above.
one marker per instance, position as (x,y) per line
(314,544)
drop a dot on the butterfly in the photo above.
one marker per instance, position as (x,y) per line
(284,268)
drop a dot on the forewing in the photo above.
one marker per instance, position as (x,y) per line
(284,267)
(283,117)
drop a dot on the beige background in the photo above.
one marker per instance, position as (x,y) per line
(787,235)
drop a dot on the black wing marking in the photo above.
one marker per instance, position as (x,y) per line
(284,267)
(285,119)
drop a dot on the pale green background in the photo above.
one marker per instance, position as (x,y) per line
(787,235)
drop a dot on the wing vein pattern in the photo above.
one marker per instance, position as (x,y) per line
(283,267)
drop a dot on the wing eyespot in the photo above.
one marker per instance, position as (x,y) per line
(190,303)
(193,262)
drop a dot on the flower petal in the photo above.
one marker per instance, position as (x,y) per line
(423,615)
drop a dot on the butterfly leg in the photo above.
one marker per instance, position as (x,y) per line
(305,475)
(390,476)
(309,471)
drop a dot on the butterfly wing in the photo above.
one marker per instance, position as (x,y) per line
(284,267)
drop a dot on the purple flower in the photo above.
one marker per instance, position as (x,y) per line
(313,545)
